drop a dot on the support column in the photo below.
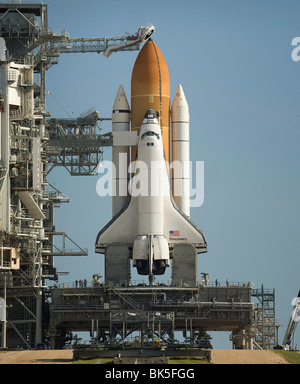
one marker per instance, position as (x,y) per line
(38,320)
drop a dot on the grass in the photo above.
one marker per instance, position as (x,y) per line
(291,356)
(85,361)
(172,360)
(188,360)
(93,361)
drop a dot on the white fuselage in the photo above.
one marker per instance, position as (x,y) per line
(150,164)
(149,170)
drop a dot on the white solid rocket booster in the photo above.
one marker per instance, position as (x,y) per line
(120,123)
(181,151)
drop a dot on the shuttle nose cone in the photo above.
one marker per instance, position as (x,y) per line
(150,114)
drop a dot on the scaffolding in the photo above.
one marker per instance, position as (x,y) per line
(265,321)
(75,143)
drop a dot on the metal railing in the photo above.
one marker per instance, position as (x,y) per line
(143,283)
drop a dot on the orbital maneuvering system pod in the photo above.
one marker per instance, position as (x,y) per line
(150,223)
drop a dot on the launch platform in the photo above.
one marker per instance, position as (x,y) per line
(118,316)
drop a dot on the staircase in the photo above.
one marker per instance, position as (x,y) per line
(127,299)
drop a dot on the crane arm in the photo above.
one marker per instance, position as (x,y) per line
(97,45)
(107,45)
(53,44)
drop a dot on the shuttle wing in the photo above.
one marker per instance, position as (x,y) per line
(180,229)
(122,228)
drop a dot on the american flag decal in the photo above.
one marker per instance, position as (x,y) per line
(174,233)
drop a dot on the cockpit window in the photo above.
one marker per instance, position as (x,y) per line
(150,133)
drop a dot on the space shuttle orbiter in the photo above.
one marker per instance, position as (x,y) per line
(151,223)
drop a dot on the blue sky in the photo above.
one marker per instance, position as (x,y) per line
(233,59)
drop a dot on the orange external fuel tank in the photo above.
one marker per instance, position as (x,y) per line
(150,88)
